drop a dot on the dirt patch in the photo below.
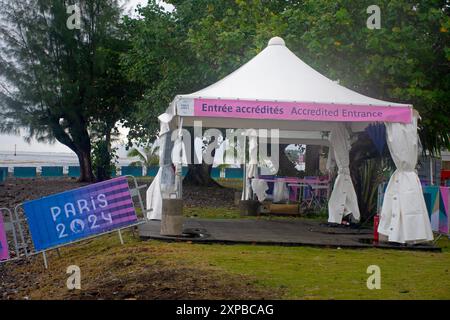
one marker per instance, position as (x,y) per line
(156,283)
(208,197)
(137,272)
(16,191)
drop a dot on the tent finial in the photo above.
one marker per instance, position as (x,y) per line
(276,41)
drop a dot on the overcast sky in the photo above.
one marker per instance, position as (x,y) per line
(8,142)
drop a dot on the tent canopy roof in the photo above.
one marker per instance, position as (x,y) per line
(277,74)
(277,78)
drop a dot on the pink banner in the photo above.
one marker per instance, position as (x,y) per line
(4,252)
(300,111)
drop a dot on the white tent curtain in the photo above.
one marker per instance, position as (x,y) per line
(331,162)
(280,191)
(259,187)
(251,166)
(179,158)
(343,200)
(404,216)
(164,182)
(154,198)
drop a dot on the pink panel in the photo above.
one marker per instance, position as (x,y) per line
(4,252)
(300,111)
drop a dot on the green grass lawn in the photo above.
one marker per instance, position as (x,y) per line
(319,273)
(211,213)
(313,273)
(233,213)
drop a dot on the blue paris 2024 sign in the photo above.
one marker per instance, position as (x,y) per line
(69,216)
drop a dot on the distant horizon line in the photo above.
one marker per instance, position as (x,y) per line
(11,152)
(64,152)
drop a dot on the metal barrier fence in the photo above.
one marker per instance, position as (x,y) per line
(19,236)
(15,239)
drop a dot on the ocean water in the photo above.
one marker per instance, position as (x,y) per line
(39,159)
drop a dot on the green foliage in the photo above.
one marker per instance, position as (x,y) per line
(104,160)
(160,62)
(147,157)
(405,61)
(184,51)
(368,169)
(367,180)
(57,82)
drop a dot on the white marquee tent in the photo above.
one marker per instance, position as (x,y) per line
(277,90)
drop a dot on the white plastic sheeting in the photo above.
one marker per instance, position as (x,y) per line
(404,216)
(164,182)
(259,187)
(280,191)
(154,198)
(178,159)
(343,200)
(331,162)
(251,166)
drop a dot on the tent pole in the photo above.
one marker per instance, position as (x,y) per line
(244,178)
(179,170)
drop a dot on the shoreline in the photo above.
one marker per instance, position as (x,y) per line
(40,159)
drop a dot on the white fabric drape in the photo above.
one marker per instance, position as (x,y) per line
(154,198)
(404,216)
(331,162)
(252,165)
(164,182)
(343,200)
(179,158)
(259,187)
(251,170)
(280,191)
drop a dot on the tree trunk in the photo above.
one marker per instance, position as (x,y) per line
(82,141)
(106,169)
(312,160)
(199,174)
(84,158)
(286,166)
(78,141)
